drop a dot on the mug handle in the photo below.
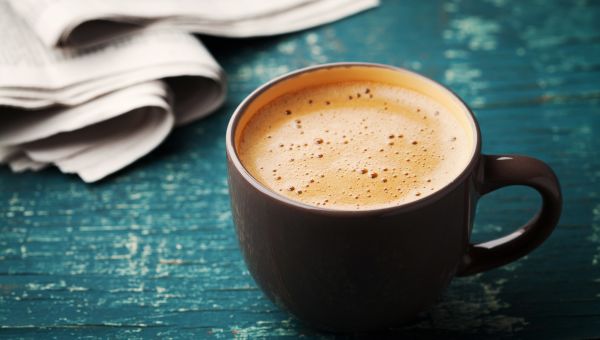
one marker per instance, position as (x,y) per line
(505,170)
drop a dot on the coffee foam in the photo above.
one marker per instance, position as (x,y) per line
(354,145)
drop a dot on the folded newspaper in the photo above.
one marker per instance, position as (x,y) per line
(91,86)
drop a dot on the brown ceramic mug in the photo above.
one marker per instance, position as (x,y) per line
(371,269)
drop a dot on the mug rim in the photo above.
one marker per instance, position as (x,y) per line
(232,154)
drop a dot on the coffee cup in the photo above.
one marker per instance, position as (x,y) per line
(373,264)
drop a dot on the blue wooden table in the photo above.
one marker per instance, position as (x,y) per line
(151,251)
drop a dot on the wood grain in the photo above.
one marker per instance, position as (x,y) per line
(151,251)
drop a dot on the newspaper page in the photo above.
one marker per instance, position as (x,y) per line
(92,140)
(34,76)
(75,22)
(94,110)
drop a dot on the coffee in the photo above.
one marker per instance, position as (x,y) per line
(313,155)
(355,145)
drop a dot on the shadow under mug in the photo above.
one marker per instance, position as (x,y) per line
(373,269)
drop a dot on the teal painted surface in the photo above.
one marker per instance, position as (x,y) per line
(152,251)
